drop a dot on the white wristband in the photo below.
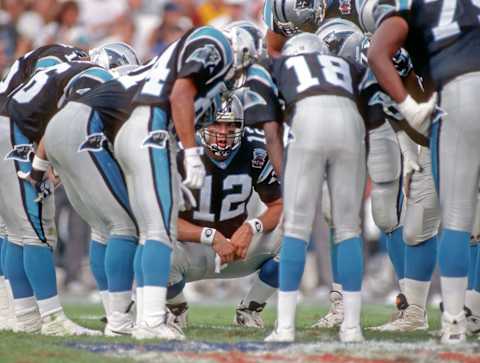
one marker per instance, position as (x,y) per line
(256,225)
(207,236)
(40,164)
(193,151)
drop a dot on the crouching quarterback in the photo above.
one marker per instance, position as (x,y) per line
(216,240)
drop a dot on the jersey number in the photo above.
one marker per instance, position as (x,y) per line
(34,86)
(228,211)
(447,26)
(334,70)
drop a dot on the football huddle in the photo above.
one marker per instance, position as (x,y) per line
(162,159)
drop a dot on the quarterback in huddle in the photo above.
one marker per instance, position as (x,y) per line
(161,160)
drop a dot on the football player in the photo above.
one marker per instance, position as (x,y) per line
(237,165)
(285,18)
(315,86)
(441,52)
(176,92)
(81,155)
(29,215)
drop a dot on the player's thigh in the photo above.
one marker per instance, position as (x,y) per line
(92,178)
(191,262)
(476,220)
(26,220)
(150,173)
(422,214)
(384,169)
(459,152)
(346,177)
(267,243)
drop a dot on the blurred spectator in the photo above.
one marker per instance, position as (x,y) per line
(209,10)
(9,36)
(66,28)
(174,25)
(234,10)
(31,23)
(99,16)
(122,30)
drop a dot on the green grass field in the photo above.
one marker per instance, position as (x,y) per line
(211,325)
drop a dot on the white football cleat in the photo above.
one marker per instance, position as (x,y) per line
(401,305)
(473,322)
(351,335)
(454,328)
(413,318)
(249,315)
(334,317)
(161,331)
(177,315)
(57,324)
(119,324)
(283,335)
(28,322)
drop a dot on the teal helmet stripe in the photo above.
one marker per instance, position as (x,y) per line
(218,36)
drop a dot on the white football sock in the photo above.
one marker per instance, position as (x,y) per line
(352,305)
(4,300)
(154,298)
(104,297)
(453,294)
(473,302)
(179,299)
(11,308)
(401,285)
(336,287)
(260,292)
(139,304)
(287,305)
(49,306)
(118,302)
(416,292)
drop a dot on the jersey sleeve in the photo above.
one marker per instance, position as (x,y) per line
(388,8)
(206,56)
(260,97)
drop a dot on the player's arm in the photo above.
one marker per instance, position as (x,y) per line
(275,43)
(274,139)
(271,217)
(387,40)
(189,232)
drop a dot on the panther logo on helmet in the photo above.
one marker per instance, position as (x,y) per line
(208,55)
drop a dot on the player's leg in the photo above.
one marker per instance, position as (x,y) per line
(95,186)
(4,293)
(459,159)
(151,176)
(302,187)
(346,182)
(472,296)
(384,168)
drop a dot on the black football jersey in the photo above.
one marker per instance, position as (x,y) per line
(222,201)
(443,38)
(113,100)
(40,58)
(203,55)
(260,97)
(32,105)
(344,9)
(314,74)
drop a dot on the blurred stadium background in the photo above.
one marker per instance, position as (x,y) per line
(149,26)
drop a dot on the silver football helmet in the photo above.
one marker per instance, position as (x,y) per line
(295,16)
(112,55)
(257,34)
(335,31)
(244,53)
(304,43)
(369,12)
(222,142)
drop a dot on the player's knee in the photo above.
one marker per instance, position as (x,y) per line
(458,219)
(343,233)
(384,205)
(269,272)
(420,224)
(298,230)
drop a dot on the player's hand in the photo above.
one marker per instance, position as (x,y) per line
(187,201)
(194,168)
(418,115)
(241,239)
(410,159)
(43,187)
(223,248)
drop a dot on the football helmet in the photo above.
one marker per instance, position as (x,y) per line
(369,13)
(295,16)
(225,134)
(335,31)
(244,53)
(256,33)
(304,43)
(113,55)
